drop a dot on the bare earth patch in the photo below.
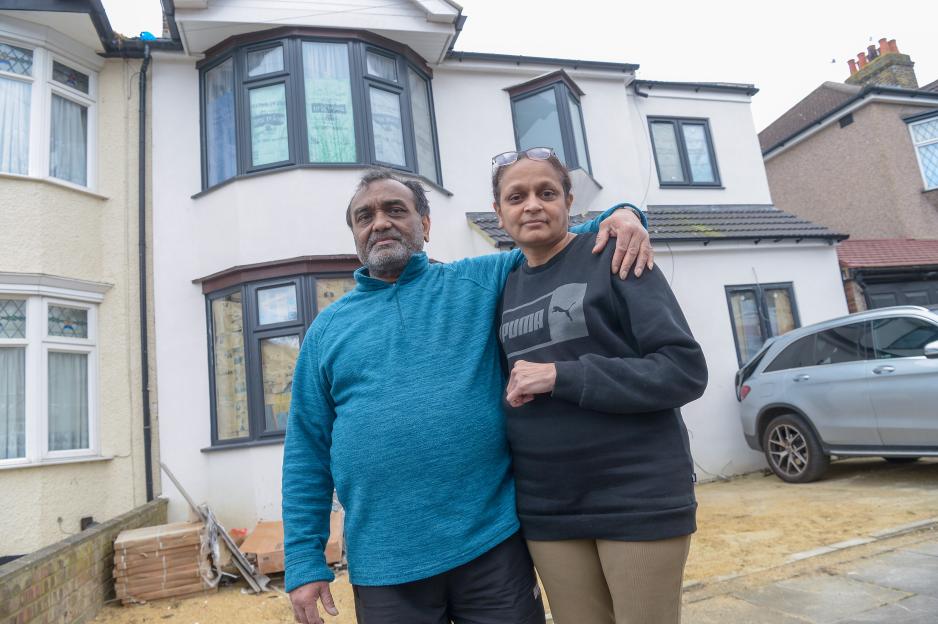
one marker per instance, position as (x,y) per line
(747,524)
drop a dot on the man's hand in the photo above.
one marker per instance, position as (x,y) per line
(304,600)
(528,379)
(633,245)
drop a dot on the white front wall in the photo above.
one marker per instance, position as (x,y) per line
(302,212)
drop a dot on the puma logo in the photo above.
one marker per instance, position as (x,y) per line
(567,311)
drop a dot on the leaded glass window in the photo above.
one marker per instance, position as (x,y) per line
(65,322)
(12,318)
(70,77)
(16,60)
(925,138)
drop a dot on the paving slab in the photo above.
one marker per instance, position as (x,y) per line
(914,610)
(821,598)
(925,549)
(902,570)
(726,609)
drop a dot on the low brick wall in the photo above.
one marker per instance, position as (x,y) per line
(69,581)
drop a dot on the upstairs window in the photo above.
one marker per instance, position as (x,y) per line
(684,153)
(925,140)
(34,82)
(547,113)
(301,101)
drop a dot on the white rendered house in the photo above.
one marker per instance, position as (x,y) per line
(263,126)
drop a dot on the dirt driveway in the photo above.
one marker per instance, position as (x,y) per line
(747,524)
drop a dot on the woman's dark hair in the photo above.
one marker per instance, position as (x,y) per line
(565,183)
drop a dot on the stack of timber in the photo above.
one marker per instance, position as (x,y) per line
(163,561)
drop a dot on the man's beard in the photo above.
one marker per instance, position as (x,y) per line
(390,259)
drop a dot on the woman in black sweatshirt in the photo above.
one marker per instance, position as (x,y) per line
(599,369)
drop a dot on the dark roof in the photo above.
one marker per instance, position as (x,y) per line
(823,103)
(516,59)
(748,89)
(931,86)
(676,224)
(814,106)
(887,253)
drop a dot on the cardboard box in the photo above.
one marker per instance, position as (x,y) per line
(265,543)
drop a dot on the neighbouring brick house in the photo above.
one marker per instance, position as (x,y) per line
(862,158)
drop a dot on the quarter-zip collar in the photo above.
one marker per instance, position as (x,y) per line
(416,266)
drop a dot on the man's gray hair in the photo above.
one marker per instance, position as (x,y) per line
(376,174)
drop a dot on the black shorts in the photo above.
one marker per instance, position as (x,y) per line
(498,587)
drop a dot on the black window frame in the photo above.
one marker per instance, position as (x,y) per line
(253,333)
(678,123)
(563,89)
(759,290)
(293,78)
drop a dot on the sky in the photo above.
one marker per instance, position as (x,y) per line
(786,49)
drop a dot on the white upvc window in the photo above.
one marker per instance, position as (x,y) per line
(925,139)
(48,377)
(49,119)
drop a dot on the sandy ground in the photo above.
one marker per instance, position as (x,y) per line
(745,525)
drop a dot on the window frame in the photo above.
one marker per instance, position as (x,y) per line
(563,89)
(358,45)
(916,146)
(253,333)
(875,342)
(42,88)
(678,123)
(760,291)
(38,344)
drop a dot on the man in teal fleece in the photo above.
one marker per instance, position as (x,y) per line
(397,405)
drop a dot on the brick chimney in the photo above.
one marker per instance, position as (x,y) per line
(884,66)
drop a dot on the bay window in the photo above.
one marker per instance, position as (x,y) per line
(301,100)
(48,381)
(255,332)
(547,113)
(47,106)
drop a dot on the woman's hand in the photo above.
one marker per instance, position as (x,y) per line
(633,244)
(528,379)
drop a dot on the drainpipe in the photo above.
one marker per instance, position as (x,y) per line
(142,264)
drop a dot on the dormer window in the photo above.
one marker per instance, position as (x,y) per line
(547,113)
(316,101)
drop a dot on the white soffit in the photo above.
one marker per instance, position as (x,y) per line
(75,26)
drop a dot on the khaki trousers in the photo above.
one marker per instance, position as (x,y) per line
(612,582)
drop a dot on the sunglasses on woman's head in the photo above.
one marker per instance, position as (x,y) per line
(507,158)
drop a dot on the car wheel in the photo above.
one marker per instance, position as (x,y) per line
(901,460)
(793,451)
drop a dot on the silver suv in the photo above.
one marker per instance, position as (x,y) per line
(859,385)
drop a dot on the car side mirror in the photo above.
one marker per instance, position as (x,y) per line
(931,350)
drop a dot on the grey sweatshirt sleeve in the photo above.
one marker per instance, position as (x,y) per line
(671,370)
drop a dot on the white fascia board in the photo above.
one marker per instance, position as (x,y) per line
(532,70)
(440,11)
(887,99)
(717,245)
(702,95)
(191,4)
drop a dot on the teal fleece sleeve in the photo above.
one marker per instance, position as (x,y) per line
(307,479)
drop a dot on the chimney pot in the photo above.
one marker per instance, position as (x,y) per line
(861,59)
(871,52)
(893,46)
(884,46)
(853,66)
